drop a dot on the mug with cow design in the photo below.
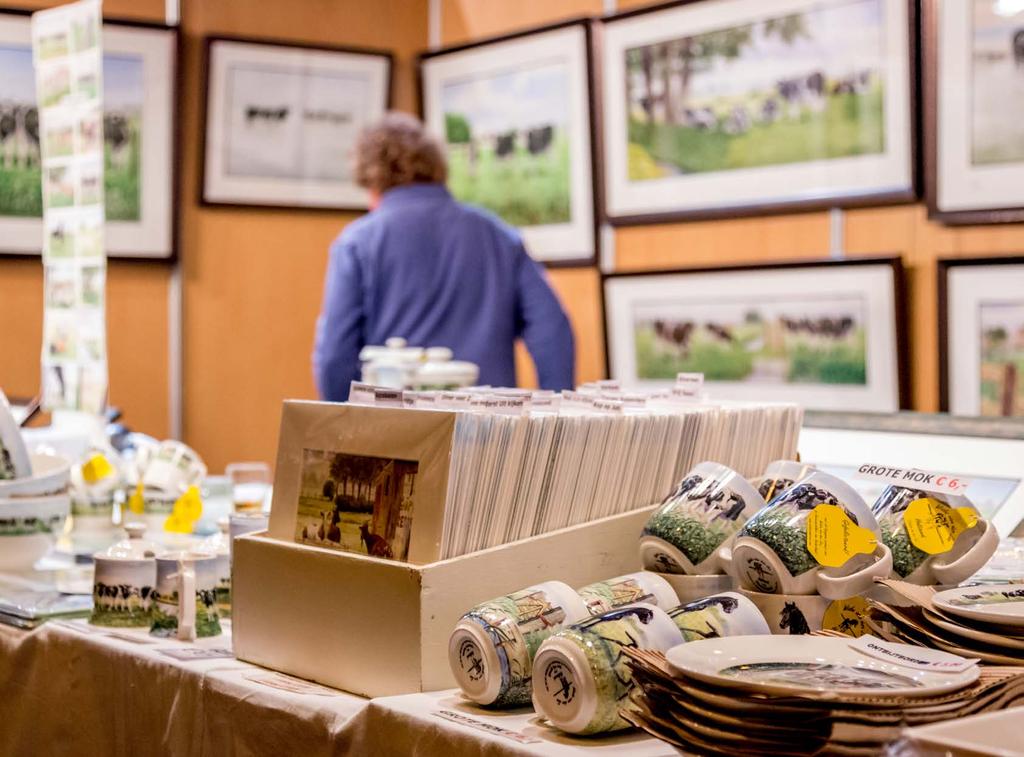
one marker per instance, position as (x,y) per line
(971,550)
(185,600)
(779,476)
(122,590)
(770,553)
(697,522)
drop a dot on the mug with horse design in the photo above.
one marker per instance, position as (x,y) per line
(491,650)
(770,552)
(688,532)
(794,614)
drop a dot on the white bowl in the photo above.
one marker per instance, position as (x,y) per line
(28,527)
(51,474)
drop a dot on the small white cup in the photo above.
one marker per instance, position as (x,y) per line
(770,553)
(245,523)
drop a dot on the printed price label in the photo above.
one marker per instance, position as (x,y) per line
(832,538)
(940,483)
(96,468)
(688,385)
(934,526)
(921,658)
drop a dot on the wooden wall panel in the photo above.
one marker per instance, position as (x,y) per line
(136,307)
(470,20)
(253,278)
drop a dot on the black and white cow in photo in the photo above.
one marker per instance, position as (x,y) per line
(19,135)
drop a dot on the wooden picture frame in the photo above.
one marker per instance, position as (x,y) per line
(552,60)
(965,182)
(756,333)
(719,164)
(143,84)
(979,374)
(245,169)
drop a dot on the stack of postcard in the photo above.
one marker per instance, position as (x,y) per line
(985,622)
(700,717)
(26,600)
(423,476)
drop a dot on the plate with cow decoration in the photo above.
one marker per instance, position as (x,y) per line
(825,334)
(999,604)
(515,115)
(718,108)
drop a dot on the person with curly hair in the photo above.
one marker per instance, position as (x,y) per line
(433,270)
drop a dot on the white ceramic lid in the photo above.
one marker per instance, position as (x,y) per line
(135,546)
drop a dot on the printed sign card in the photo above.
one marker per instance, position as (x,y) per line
(68,55)
(369,480)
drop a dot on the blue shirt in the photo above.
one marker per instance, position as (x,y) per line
(439,273)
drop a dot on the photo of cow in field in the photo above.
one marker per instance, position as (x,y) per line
(778,90)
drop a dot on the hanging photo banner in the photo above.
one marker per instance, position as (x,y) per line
(68,56)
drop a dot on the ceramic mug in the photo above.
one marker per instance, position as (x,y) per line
(793,614)
(122,590)
(245,523)
(491,650)
(770,552)
(173,467)
(185,601)
(725,614)
(581,678)
(779,476)
(971,550)
(220,545)
(630,589)
(688,532)
(692,588)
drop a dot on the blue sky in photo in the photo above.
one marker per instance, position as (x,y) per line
(122,78)
(514,99)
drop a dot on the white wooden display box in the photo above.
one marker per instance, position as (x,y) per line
(379,627)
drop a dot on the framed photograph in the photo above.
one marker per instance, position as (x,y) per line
(981,336)
(828,335)
(730,107)
(282,118)
(139,81)
(974,110)
(368,480)
(517,116)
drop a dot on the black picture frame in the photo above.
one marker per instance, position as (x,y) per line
(930,76)
(944,266)
(592,36)
(905,195)
(173,201)
(894,262)
(208,44)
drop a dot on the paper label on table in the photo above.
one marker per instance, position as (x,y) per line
(689,385)
(929,481)
(192,654)
(96,468)
(833,538)
(481,725)
(360,393)
(282,682)
(909,656)
(934,526)
(136,502)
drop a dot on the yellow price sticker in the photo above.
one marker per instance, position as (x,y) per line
(187,510)
(934,526)
(96,468)
(833,538)
(136,502)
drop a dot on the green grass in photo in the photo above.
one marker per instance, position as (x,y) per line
(21,194)
(523,189)
(849,125)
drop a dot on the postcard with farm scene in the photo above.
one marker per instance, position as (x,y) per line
(356,503)
(806,86)
(997,83)
(772,341)
(1002,358)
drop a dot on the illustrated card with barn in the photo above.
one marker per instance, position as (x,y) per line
(367,480)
